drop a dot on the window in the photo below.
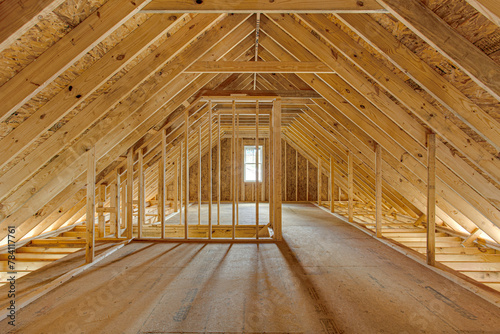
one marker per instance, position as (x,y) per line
(251,161)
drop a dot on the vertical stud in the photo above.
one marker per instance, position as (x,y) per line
(319,182)
(161,180)
(130,192)
(378,190)
(142,194)
(277,169)
(431,199)
(332,184)
(210,170)
(89,246)
(218,169)
(186,174)
(257,170)
(350,186)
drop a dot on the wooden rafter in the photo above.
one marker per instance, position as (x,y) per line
(432,29)
(257,67)
(263,6)
(18,17)
(37,75)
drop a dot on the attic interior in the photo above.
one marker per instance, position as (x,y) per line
(250,166)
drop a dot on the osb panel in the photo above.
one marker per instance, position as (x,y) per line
(475,136)
(283,169)
(291,173)
(485,36)
(324,187)
(43,35)
(302,175)
(83,64)
(313,183)
(226,169)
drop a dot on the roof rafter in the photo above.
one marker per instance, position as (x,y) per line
(432,29)
(60,56)
(263,6)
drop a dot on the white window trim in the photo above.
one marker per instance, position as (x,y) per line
(261,163)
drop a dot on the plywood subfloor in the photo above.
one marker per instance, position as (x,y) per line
(327,277)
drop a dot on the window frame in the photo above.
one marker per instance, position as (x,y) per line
(261,164)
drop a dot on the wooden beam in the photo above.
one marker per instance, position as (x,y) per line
(263,6)
(257,67)
(489,8)
(434,118)
(256,55)
(184,84)
(123,205)
(162,193)
(350,186)
(319,181)
(113,216)
(447,41)
(257,170)
(186,174)
(60,56)
(233,171)
(176,185)
(378,190)
(237,165)
(16,17)
(142,194)
(332,184)
(83,86)
(431,199)
(296,176)
(199,175)
(307,180)
(469,241)
(90,235)
(418,134)
(180,183)
(130,192)
(426,76)
(286,176)
(135,129)
(289,94)
(218,169)
(100,214)
(86,117)
(210,172)
(276,154)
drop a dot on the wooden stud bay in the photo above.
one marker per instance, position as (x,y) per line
(276,154)
(186,174)
(233,170)
(378,190)
(199,177)
(210,172)
(100,206)
(219,194)
(350,185)
(319,182)
(431,199)
(161,185)
(90,226)
(142,195)
(130,192)
(332,185)
(257,170)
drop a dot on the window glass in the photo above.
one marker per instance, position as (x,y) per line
(250,161)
